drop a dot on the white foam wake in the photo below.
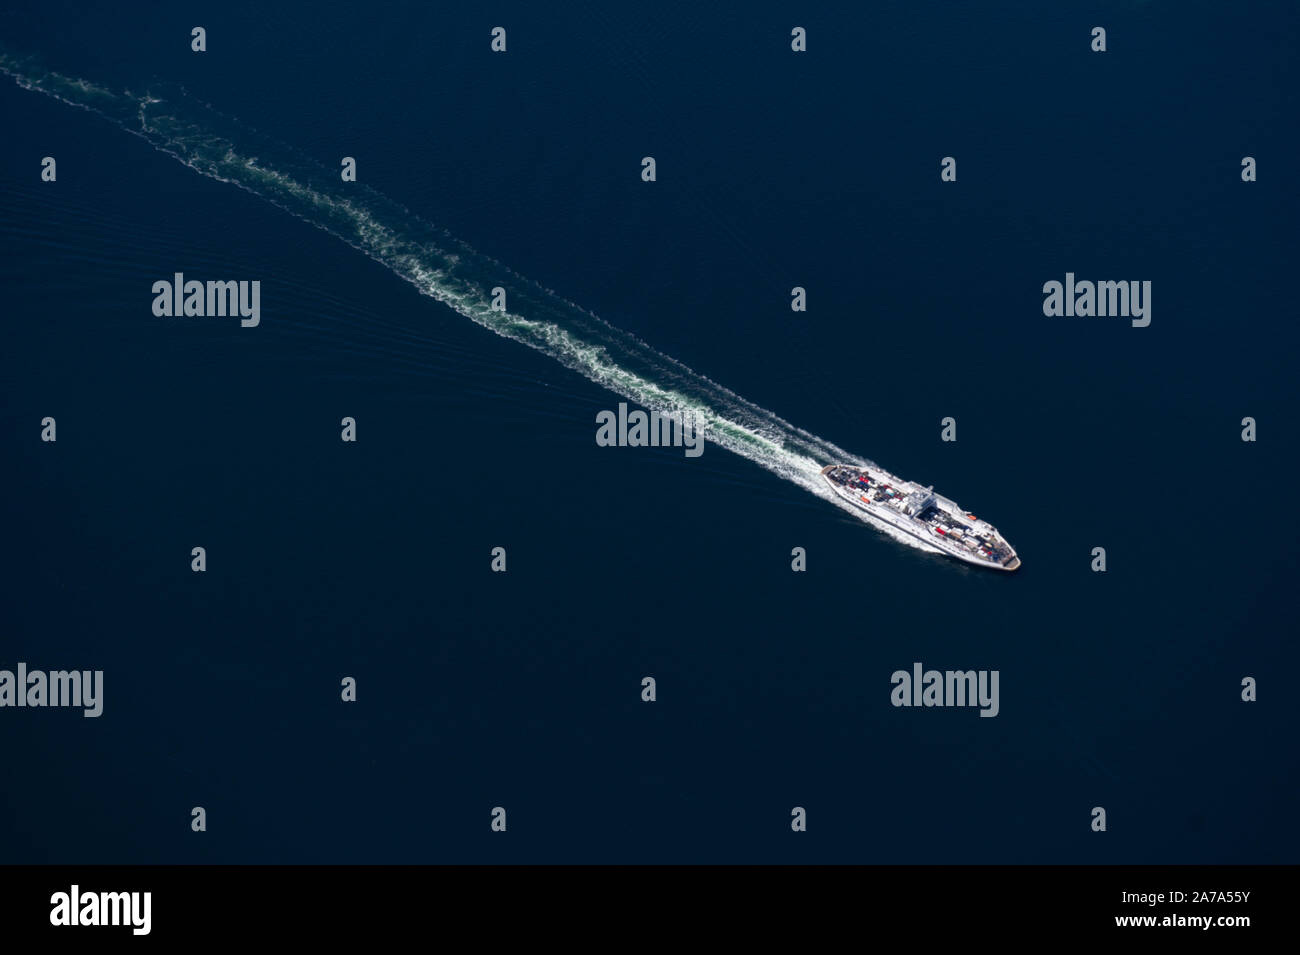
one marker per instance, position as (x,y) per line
(448,270)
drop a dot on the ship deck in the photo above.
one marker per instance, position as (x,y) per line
(989,548)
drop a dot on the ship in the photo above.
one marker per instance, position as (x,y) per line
(920,513)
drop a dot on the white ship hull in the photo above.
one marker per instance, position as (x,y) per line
(920,513)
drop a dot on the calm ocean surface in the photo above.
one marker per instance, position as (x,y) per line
(522,690)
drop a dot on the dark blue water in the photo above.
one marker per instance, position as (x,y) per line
(522,690)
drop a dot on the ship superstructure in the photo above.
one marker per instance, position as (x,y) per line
(918,512)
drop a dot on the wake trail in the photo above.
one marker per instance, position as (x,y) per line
(450,271)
